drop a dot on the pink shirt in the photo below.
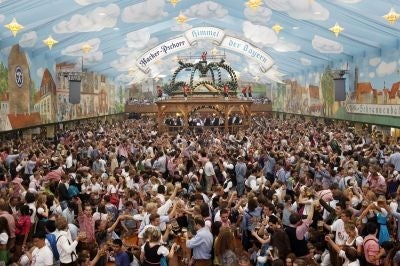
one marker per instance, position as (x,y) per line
(11,222)
(326,195)
(378,185)
(302,229)
(371,248)
(86,224)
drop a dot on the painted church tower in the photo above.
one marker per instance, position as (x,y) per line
(18,81)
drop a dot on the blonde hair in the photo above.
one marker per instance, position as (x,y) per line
(153,234)
(42,198)
(350,226)
(151,206)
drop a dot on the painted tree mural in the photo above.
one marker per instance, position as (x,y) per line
(3,78)
(280,101)
(328,94)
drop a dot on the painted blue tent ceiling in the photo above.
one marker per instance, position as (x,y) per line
(119,32)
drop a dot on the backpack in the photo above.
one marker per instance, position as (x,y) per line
(51,238)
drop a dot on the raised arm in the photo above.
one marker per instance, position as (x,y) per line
(332,244)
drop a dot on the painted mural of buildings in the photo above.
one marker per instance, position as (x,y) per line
(394,93)
(315,105)
(15,101)
(95,98)
(366,94)
(4,111)
(45,102)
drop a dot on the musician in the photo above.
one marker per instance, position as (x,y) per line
(207,121)
(186,91)
(159,91)
(226,92)
(236,120)
(204,56)
(244,92)
(215,121)
(249,92)
(230,119)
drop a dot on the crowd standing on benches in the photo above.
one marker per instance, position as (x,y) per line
(281,192)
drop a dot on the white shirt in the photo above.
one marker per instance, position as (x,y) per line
(66,247)
(3,238)
(32,206)
(68,162)
(42,256)
(95,188)
(341,235)
(100,216)
(209,169)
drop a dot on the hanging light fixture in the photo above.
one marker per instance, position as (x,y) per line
(392,16)
(277,28)
(14,27)
(254,3)
(336,29)
(181,19)
(174,2)
(50,42)
(86,48)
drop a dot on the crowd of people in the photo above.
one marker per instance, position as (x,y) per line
(201,120)
(281,192)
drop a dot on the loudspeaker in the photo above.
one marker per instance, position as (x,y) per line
(340,89)
(74,92)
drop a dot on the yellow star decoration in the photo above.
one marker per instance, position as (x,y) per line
(277,28)
(254,3)
(174,2)
(181,18)
(50,42)
(392,16)
(86,48)
(14,27)
(336,29)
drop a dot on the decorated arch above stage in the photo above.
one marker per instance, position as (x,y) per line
(216,108)
(194,35)
(205,78)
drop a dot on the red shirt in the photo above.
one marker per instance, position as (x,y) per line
(23,225)
(225,89)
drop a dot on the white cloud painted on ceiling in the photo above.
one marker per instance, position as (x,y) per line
(300,9)
(147,11)
(326,46)
(95,20)
(28,39)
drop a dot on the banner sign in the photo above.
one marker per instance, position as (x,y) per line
(374,109)
(249,50)
(192,36)
(204,33)
(161,51)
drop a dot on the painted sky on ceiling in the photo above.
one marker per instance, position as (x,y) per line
(118,32)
